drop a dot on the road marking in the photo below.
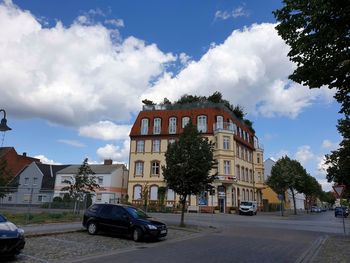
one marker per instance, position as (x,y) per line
(35,258)
(313,250)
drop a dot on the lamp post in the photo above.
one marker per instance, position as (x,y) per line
(3,126)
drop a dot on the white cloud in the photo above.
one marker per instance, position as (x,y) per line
(304,154)
(106,130)
(72,143)
(280,154)
(327,144)
(250,68)
(72,75)
(115,152)
(115,22)
(46,160)
(237,12)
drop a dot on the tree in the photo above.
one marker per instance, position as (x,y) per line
(189,161)
(84,182)
(317,32)
(161,196)
(5,178)
(287,174)
(310,188)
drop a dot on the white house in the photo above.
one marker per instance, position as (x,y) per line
(112,178)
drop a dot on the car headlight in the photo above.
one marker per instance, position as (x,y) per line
(152,227)
(20,232)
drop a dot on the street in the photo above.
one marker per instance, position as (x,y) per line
(213,238)
(263,238)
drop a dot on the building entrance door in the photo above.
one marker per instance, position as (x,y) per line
(222,205)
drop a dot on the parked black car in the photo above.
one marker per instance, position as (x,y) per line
(341,211)
(123,219)
(11,238)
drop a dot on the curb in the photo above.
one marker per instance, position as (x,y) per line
(312,251)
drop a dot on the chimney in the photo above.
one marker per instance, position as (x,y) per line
(108,162)
(25,154)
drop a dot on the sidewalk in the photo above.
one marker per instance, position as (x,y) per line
(53,228)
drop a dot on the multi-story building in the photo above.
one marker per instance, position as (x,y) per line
(112,179)
(238,153)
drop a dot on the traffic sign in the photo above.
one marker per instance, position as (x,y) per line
(338,189)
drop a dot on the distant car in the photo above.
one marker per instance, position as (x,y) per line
(315,209)
(341,211)
(323,209)
(248,208)
(123,219)
(11,238)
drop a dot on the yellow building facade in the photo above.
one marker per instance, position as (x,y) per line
(238,153)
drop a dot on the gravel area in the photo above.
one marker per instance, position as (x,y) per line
(72,246)
(335,249)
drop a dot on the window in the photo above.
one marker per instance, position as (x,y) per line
(155,168)
(185,121)
(219,122)
(172,125)
(237,151)
(26,181)
(242,174)
(41,198)
(226,142)
(227,167)
(26,197)
(64,179)
(251,175)
(258,158)
(246,174)
(137,192)
(170,195)
(140,146)
(157,126)
(154,192)
(139,168)
(144,126)
(100,180)
(238,172)
(156,146)
(171,141)
(10,198)
(35,181)
(202,123)
(231,125)
(99,197)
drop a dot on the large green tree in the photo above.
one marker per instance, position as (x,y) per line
(189,161)
(318,33)
(287,174)
(310,187)
(5,178)
(84,182)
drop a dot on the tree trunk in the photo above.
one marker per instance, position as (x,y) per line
(293,196)
(183,203)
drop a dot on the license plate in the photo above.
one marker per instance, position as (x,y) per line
(163,231)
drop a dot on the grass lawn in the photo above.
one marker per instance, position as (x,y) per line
(43,217)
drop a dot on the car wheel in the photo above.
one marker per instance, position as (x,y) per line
(92,228)
(137,234)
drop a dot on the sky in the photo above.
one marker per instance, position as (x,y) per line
(73,75)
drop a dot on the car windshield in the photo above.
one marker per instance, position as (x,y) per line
(2,219)
(136,213)
(246,203)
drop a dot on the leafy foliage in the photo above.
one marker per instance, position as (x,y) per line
(84,182)
(5,178)
(318,33)
(189,161)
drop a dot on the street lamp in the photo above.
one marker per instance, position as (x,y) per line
(3,125)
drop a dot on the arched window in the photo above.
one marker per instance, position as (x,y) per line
(172,125)
(219,122)
(202,123)
(154,192)
(170,195)
(155,168)
(185,121)
(157,126)
(137,192)
(144,126)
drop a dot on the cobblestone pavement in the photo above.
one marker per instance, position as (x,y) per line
(72,246)
(335,249)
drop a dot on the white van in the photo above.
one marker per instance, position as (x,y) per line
(248,208)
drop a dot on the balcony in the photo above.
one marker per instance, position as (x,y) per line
(224,127)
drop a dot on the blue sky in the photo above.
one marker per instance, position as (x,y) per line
(73,74)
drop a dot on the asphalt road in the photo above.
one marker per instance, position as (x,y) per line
(262,238)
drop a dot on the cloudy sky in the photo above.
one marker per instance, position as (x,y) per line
(73,75)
